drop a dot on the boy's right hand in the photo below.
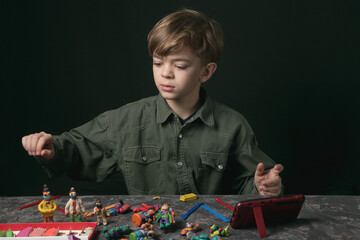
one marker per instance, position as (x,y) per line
(39,145)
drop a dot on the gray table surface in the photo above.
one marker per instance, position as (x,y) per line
(322,217)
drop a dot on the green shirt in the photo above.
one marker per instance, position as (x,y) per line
(214,152)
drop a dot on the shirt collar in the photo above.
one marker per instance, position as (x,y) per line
(205,113)
(163,109)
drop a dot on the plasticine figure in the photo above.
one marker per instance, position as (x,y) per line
(101,213)
(116,232)
(189,230)
(47,206)
(143,217)
(146,232)
(216,230)
(74,207)
(165,216)
(201,237)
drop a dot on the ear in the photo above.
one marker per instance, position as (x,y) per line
(208,71)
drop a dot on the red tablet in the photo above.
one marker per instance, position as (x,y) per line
(274,209)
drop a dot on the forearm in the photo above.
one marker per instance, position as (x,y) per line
(84,152)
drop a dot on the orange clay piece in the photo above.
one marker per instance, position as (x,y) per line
(136,219)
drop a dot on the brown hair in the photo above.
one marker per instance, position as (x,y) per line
(187,28)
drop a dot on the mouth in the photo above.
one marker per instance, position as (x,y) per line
(167,88)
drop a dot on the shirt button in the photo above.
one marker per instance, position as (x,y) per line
(180,164)
(180,135)
(144,158)
(220,166)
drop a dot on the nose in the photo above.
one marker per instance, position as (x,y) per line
(167,72)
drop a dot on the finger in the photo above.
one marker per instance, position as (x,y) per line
(47,154)
(41,144)
(271,194)
(273,189)
(271,181)
(260,169)
(34,138)
(28,143)
(277,169)
(24,142)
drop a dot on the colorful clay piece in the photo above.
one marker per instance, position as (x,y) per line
(37,232)
(188,197)
(51,232)
(25,232)
(9,233)
(193,209)
(206,207)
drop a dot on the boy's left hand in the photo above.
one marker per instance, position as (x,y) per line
(269,182)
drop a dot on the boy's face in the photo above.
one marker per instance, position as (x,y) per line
(178,76)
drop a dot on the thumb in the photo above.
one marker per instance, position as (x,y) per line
(47,153)
(260,169)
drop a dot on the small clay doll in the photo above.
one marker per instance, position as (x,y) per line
(143,217)
(116,232)
(189,230)
(47,206)
(146,232)
(165,216)
(101,213)
(74,207)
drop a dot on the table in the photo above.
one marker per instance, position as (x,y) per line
(322,217)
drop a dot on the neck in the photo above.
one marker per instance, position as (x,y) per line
(184,107)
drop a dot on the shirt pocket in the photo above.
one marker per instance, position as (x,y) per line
(216,161)
(210,173)
(143,170)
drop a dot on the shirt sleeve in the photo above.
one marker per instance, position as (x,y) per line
(84,152)
(245,157)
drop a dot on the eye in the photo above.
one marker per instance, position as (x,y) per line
(157,64)
(181,67)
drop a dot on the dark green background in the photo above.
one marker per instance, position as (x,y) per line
(290,67)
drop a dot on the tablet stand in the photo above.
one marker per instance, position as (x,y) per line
(258,216)
(259,220)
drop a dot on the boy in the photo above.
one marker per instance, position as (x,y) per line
(178,142)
